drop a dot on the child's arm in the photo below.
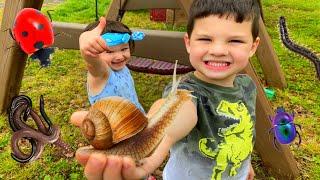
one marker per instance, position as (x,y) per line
(251,173)
(91,46)
(114,167)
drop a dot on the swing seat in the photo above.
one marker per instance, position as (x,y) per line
(150,66)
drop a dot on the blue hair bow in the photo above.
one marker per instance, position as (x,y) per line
(114,39)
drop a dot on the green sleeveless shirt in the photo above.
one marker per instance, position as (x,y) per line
(220,145)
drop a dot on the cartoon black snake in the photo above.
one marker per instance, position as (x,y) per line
(20,112)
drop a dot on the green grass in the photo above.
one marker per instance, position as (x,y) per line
(64,88)
(77,11)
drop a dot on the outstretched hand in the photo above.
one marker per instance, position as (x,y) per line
(101,166)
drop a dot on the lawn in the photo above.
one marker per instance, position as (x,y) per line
(64,88)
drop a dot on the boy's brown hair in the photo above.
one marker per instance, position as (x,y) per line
(113,27)
(241,10)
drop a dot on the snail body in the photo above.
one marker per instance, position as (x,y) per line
(141,141)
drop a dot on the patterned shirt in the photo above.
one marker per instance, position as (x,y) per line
(220,145)
(119,83)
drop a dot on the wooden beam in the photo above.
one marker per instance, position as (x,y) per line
(151,4)
(281,162)
(163,45)
(12,59)
(67,34)
(157,44)
(269,60)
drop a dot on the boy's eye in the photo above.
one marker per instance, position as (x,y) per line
(204,39)
(236,41)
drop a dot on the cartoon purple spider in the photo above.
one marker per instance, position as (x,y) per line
(283,128)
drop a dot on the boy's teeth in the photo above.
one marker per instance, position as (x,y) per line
(217,64)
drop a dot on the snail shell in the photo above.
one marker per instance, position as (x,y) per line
(112,120)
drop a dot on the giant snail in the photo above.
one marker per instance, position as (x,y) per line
(114,126)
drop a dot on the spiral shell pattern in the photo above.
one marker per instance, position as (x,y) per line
(112,120)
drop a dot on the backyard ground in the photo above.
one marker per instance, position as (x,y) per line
(64,88)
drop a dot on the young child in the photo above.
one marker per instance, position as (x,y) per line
(107,71)
(213,135)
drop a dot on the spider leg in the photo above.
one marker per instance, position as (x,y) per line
(299,138)
(275,142)
(270,132)
(50,17)
(11,34)
(299,126)
(317,65)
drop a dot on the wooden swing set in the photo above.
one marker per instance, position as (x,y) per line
(280,162)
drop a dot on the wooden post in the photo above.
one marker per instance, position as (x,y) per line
(12,59)
(176,17)
(269,60)
(113,10)
(281,162)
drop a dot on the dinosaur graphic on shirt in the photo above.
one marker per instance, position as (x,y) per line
(236,144)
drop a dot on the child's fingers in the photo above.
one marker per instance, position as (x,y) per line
(77,117)
(95,166)
(90,54)
(99,45)
(96,49)
(102,44)
(113,168)
(82,156)
(91,51)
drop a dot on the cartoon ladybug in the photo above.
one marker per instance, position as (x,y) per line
(33,32)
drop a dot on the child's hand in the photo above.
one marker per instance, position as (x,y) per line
(100,166)
(90,42)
